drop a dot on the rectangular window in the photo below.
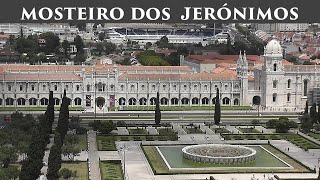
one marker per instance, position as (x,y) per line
(78,87)
(32,87)
(55,87)
(21,88)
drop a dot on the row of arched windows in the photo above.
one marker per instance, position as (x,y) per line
(175,101)
(34,101)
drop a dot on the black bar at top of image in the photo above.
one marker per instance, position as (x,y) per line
(11,11)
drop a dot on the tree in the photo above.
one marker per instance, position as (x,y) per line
(313,113)
(54,161)
(100,48)
(52,42)
(74,122)
(67,173)
(148,45)
(80,57)
(157,112)
(79,44)
(101,36)
(63,121)
(318,113)
(282,126)
(65,45)
(217,109)
(8,155)
(104,127)
(109,47)
(164,43)
(50,111)
(306,109)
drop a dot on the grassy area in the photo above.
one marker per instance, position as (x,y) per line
(184,108)
(138,131)
(80,167)
(57,108)
(192,130)
(83,143)
(166,131)
(107,143)
(248,130)
(111,170)
(220,130)
(314,135)
(294,138)
(159,167)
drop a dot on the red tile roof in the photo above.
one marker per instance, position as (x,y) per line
(176,77)
(39,77)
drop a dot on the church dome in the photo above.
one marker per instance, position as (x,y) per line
(273,48)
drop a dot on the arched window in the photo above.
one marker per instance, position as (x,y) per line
(43,87)
(112,87)
(132,101)
(32,87)
(195,87)
(226,87)
(274,97)
(122,101)
(153,87)
(143,101)
(175,87)
(185,87)
(214,101)
(225,101)
(288,97)
(153,101)
(77,101)
(195,101)
(21,102)
(275,67)
(289,83)
(164,87)
(32,101)
(88,88)
(205,101)
(132,87)
(142,87)
(44,102)
(275,84)
(56,101)
(9,88)
(185,101)
(9,101)
(0,101)
(205,87)
(305,87)
(21,88)
(236,102)
(174,101)
(164,101)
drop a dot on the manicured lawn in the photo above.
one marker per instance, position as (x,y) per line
(83,143)
(314,135)
(111,170)
(107,142)
(220,130)
(294,138)
(80,167)
(248,130)
(184,108)
(138,131)
(165,131)
(192,130)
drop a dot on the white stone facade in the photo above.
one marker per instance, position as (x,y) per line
(275,85)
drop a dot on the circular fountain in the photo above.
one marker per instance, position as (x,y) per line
(219,153)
